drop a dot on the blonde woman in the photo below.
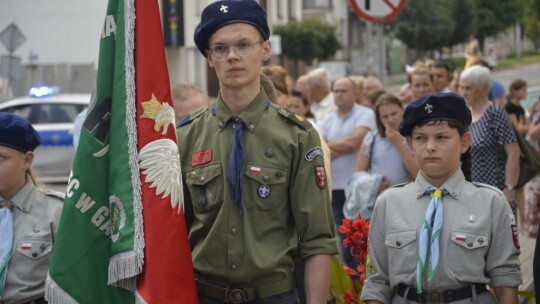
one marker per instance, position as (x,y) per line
(29,215)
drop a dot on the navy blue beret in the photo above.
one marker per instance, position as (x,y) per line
(440,106)
(17,133)
(222,13)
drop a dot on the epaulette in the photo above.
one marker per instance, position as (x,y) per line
(399,185)
(295,118)
(482,185)
(190,117)
(57,194)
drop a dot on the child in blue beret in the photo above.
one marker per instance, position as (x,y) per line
(29,215)
(441,238)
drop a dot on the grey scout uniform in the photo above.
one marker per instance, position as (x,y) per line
(477,243)
(286,207)
(36,214)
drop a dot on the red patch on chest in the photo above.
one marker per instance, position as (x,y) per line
(201,158)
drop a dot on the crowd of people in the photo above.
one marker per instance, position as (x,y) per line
(263,208)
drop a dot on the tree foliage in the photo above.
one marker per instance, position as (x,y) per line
(424,24)
(531,19)
(462,12)
(428,25)
(494,16)
(308,40)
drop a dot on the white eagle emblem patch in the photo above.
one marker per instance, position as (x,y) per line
(160,162)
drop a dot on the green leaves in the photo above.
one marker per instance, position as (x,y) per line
(531,19)
(308,40)
(428,25)
(425,24)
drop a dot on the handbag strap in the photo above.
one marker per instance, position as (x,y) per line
(371,152)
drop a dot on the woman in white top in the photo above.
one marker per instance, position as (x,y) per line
(387,153)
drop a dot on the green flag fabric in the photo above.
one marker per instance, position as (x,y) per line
(99,245)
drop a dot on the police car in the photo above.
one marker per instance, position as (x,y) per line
(52,115)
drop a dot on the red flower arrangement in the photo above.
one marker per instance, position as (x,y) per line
(356,239)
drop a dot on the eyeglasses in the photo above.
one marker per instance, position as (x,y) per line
(241,48)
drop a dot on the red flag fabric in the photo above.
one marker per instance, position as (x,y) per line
(167,275)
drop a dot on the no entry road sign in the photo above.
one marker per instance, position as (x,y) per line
(378,11)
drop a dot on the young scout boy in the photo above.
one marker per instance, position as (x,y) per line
(255,180)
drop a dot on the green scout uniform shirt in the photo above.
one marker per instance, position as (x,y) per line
(478,242)
(36,214)
(256,247)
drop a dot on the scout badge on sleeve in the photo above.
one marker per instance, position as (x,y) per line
(313,152)
(513,224)
(369,265)
(320,176)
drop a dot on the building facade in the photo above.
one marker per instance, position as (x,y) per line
(62,38)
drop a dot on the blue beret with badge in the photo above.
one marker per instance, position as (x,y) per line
(17,133)
(440,106)
(225,12)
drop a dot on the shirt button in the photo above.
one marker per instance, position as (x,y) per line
(398,243)
(233,231)
(469,244)
(203,179)
(269,152)
(233,266)
(266,178)
(34,254)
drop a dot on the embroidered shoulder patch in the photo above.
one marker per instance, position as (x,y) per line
(320,176)
(313,152)
(513,225)
(369,265)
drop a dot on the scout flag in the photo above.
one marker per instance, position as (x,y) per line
(122,237)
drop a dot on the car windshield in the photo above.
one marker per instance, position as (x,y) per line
(47,113)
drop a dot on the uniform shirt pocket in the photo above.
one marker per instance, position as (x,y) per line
(33,258)
(205,185)
(466,254)
(265,187)
(402,248)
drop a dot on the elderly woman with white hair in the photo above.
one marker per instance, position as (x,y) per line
(492,135)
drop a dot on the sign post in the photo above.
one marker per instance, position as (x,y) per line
(10,66)
(378,12)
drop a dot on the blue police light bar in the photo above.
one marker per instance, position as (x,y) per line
(42,91)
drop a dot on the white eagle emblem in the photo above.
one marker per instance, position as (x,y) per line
(161,112)
(160,162)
